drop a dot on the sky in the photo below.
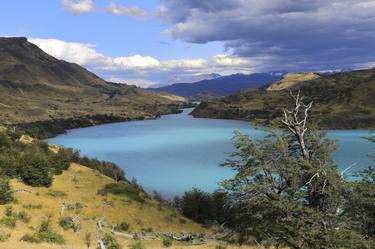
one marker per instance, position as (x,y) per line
(158,42)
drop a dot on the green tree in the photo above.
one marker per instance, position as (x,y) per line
(360,206)
(60,161)
(287,189)
(35,170)
(6,193)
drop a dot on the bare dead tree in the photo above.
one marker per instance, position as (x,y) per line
(101,224)
(76,223)
(101,244)
(297,124)
(62,209)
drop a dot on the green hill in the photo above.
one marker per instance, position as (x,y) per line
(342,100)
(43,94)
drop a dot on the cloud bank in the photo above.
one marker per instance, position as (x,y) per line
(296,34)
(140,67)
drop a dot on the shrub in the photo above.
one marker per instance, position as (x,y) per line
(9,222)
(4,236)
(31,238)
(88,239)
(44,234)
(123,189)
(31,206)
(9,211)
(122,227)
(23,216)
(66,223)
(51,237)
(183,221)
(167,242)
(137,245)
(56,193)
(35,170)
(110,242)
(6,193)
(60,161)
(220,247)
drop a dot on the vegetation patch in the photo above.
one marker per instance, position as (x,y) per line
(56,193)
(137,245)
(4,236)
(110,242)
(44,234)
(122,189)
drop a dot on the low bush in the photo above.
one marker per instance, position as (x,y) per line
(66,223)
(167,242)
(4,236)
(44,234)
(23,216)
(220,247)
(51,237)
(30,238)
(9,222)
(124,189)
(110,242)
(56,193)
(137,245)
(122,227)
(32,206)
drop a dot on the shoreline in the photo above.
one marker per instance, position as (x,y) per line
(45,129)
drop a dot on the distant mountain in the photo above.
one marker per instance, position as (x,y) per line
(187,79)
(221,86)
(36,88)
(341,100)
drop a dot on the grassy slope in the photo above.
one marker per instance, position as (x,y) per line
(35,86)
(343,100)
(84,190)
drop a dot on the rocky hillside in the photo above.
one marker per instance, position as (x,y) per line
(342,100)
(36,88)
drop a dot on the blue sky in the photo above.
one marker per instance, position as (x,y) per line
(161,41)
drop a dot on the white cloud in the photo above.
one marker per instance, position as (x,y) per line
(133,11)
(77,7)
(140,69)
(133,81)
(86,55)
(136,62)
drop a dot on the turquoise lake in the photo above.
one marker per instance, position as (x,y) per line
(177,152)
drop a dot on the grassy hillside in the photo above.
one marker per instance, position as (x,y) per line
(343,100)
(38,89)
(79,187)
(291,79)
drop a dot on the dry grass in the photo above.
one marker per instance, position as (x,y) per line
(292,79)
(80,185)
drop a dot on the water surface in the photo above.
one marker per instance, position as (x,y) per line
(177,152)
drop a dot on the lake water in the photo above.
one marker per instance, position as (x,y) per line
(177,152)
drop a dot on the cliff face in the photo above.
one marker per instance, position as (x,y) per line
(36,87)
(342,100)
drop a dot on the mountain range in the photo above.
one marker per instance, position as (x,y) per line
(40,91)
(221,86)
